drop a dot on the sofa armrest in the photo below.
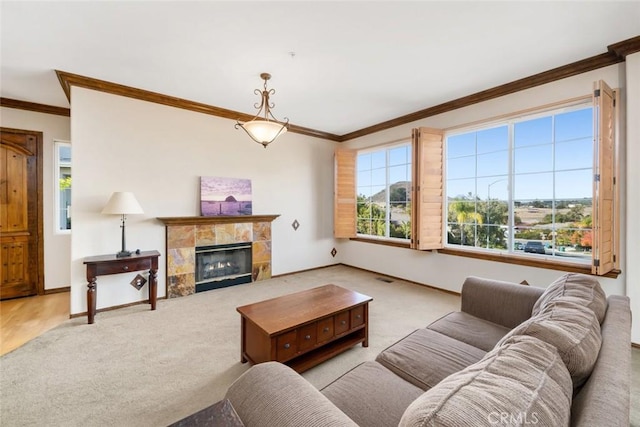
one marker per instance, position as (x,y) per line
(272,394)
(604,400)
(505,303)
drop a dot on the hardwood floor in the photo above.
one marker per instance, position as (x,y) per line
(23,319)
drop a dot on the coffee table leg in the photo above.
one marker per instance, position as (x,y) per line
(365,343)
(243,329)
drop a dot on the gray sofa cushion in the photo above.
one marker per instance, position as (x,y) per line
(580,288)
(273,394)
(604,400)
(570,327)
(426,357)
(522,382)
(371,395)
(470,329)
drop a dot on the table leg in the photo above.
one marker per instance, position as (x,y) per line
(91,300)
(365,343)
(153,287)
(243,337)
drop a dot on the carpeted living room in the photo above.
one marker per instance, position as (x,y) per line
(320,213)
(138,367)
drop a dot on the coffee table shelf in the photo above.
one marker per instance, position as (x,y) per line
(305,328)
(325,352)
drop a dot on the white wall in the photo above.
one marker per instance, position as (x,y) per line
(57,247)
(449,271)
(633,189)
(159,153)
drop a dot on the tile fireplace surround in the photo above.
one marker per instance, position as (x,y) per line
(184,234)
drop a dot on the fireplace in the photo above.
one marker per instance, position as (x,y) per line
(186,234)
(220,266)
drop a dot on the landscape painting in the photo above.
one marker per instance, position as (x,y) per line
(225,196)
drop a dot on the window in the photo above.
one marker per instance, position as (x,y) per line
(537,190)
(62,184)
(524,186)
(384,192)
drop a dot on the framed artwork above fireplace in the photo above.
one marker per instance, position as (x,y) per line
(225,196)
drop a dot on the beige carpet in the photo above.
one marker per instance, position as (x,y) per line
(136,367)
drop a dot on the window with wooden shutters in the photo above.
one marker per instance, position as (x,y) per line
(344,203)
(539,186)
(427,145)
(604,186)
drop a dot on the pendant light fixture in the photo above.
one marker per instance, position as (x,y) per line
(264,128)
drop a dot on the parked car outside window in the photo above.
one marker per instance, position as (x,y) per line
(534,248)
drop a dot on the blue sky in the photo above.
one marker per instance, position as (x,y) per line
(372,173)
(535,142)
(478,162)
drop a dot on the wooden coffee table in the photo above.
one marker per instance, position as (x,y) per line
(305,328)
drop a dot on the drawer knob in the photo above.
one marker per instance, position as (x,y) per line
(125,268)
(287,345)
(344,322)
(307,337)
(326,329)
(358,316)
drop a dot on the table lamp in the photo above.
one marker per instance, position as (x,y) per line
(122,203)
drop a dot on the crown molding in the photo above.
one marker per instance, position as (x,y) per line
(32,106)
(615,54)
(625,47)
(549,76)
(68,79)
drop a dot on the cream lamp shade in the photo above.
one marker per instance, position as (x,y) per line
(122,203)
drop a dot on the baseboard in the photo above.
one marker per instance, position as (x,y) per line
(57,290)
(305,270)
(634,345)
(115,307)
(404,280)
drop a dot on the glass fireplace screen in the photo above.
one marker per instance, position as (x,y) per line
(223,263)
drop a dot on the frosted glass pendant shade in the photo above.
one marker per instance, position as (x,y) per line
(263,131)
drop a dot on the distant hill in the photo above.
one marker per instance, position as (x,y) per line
(399,191)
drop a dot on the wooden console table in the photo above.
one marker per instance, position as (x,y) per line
(305,328)
(103,265)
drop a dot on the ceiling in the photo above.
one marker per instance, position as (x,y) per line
(336,66)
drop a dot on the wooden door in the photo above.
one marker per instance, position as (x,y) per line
(20,214)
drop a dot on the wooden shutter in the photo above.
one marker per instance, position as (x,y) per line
(604,185)
(344,195)
(427,196)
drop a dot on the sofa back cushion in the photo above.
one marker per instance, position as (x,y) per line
(580,288)
(572,329)
(524,381)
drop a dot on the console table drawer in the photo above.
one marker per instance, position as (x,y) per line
(122,266)
(307,337)
(357,316)
(287,345)
(325,329)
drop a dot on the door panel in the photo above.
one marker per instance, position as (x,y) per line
(20,214)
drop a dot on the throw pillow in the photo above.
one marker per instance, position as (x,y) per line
(582,288)
(523,382)
(572,329)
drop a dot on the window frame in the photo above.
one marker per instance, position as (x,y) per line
(510,123)
(58,144)
(393,241)
(428,215)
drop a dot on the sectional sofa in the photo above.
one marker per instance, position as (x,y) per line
(513,355)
